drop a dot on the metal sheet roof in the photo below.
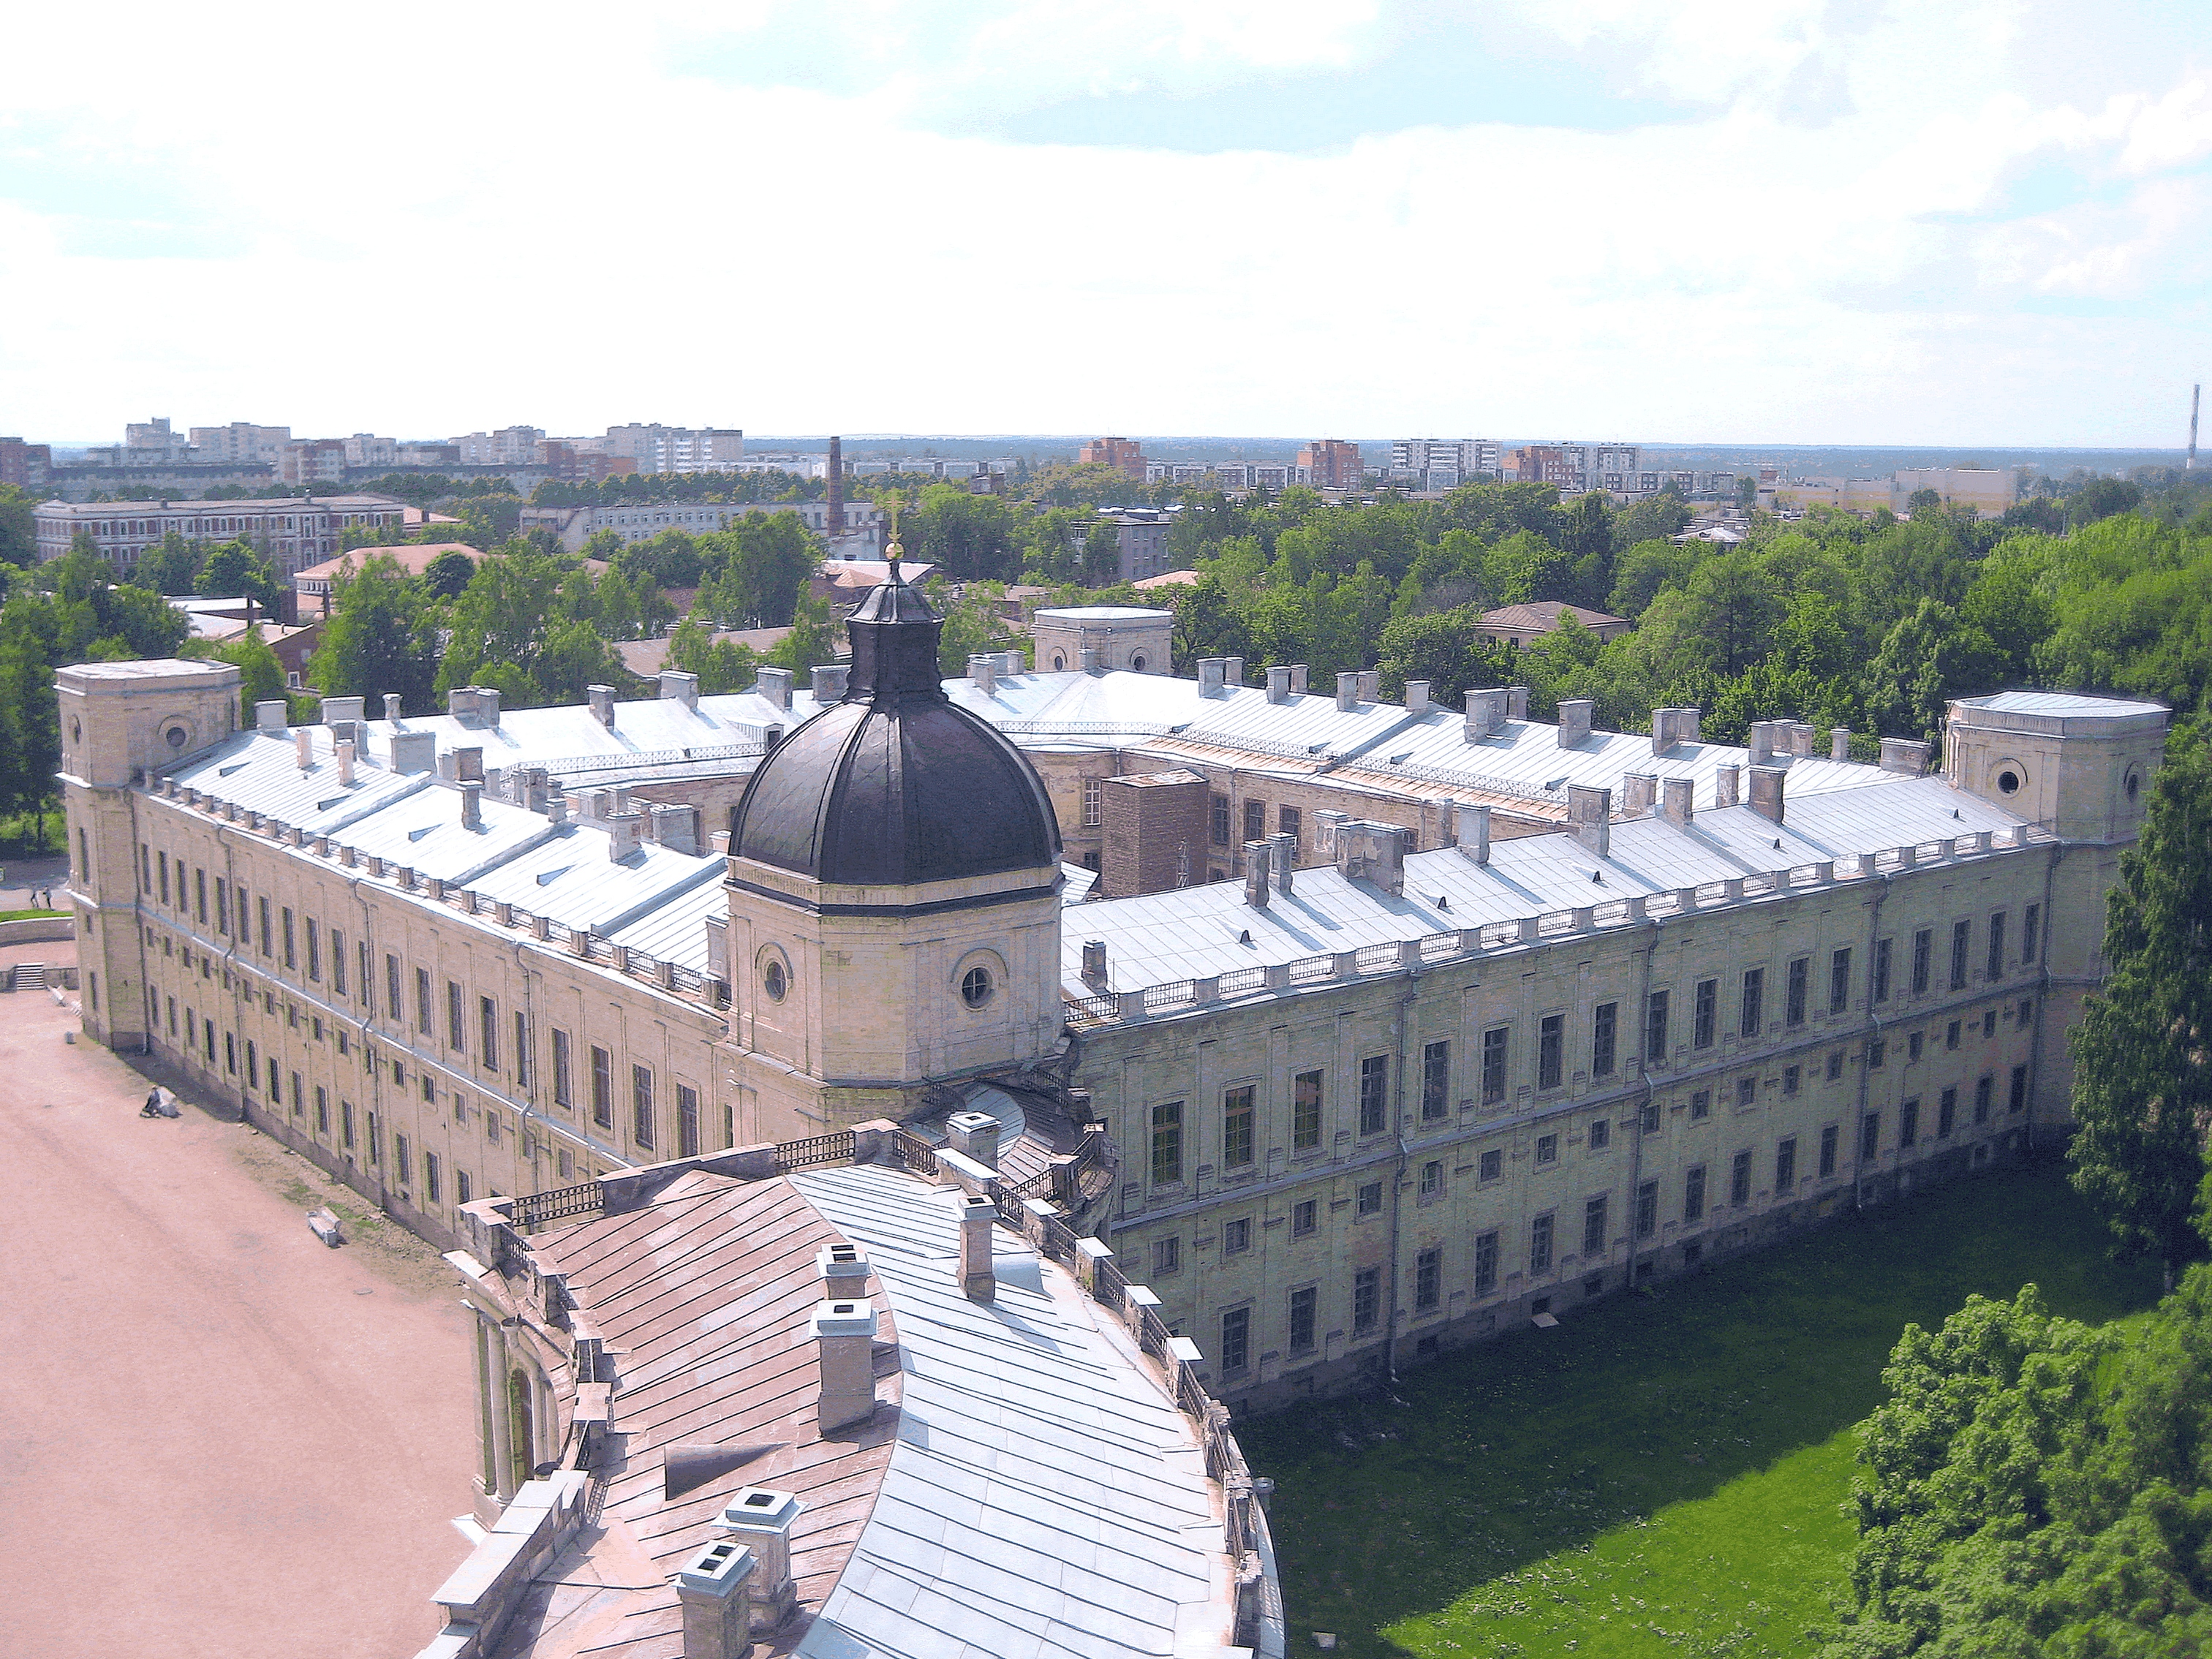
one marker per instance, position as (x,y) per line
(2064,705)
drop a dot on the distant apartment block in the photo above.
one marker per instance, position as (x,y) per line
(290,533)
(368,451)
(312,461)
(511,446)
(575,525)
(677,449)
(1437,464)
(25,464)
(1119,453)
(1544,464)
(239,444)
(1332,464)
(1143,549)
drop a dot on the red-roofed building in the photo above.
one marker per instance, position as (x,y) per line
(1525,624)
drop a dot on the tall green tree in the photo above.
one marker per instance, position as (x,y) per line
(2143,1054)
(234,570)
(19,527)
(812,639)
(381,637)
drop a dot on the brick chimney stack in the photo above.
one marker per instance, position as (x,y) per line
(836,487)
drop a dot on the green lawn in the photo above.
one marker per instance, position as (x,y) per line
(1661,1474)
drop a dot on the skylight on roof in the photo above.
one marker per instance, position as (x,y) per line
(236,766)
(417,834)
(547,878)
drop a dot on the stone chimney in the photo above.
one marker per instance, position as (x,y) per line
(1800,739)
(760,1519)
(1762,742)
(468,765)
(1371,852)
(984,671)
(1297,679)
(1282,859)
(775,684)
(1590,814)
(336,709)
(833,519)
(1486,712)
(1907,756)
(1347,692)
(676,828)
(303,748)
(1278,684)
(1674,803)
(392,705)
(1370,686)
(844,1332)
(1517,702)
(488,704)
(1766,792)
(1094,963)
(1839,743)
(978,1216)
(1417,696)
(1474,830)
(1725,782)
(713,1588)
(1233,671)
(829,680)
(621,835)
(413,752)
(974,1134)
(844,1269)
(680,687)
(1257,853)
(1639,791)
(1574,721)
(603,704)
(271,716)
(1087,659)
(345,764)
(472,806)
(1212,670)
(1671,726)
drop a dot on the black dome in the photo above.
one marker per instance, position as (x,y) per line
(897,784)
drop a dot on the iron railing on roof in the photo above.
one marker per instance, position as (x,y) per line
(570,765)
(558,1204)
(835,1147)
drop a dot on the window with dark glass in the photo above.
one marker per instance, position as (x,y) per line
(1839,981)
(1436,1080)
(2017,1102)
(1593,1226)
(2029,931)
(1255,820)
(1753,1008)
(1236,1341)
(1604,1038)
(640,1101)
(1369,1199)
(1367,1300)
(1494,1064)
(1305,1112)
(488,1033)
(1550,1046)
(687,1120)
(1797,992)
(1486,1263)
(1785,1167)
(1870,1134)
(1908,1124)
(1947,1114)
(1429,1278)
(1740,1178)
(1167,1143)
(1491,1165)
(1539,1245)
(1995,967)
(1238,1113)
(1923,954)
(1301,1319)
(1655,1029)
(1374,1094)
(1647,1209)
(1693,1194)
(1706,1014)
(1830,1136)
(457,1034)
(603,1088)
(1962,936)
(1218,824)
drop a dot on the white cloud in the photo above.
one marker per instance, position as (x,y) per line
(570,225)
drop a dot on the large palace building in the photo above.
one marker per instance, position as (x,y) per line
(1365,1028)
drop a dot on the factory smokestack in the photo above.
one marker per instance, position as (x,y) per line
(836,493)
(2195,392)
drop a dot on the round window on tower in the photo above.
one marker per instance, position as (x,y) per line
(175,735)
(1059,662)
(1137,662)
(774,980)
(2134,783)
(975,986)
(2008,783)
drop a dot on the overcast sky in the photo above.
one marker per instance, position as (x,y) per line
(1787,221)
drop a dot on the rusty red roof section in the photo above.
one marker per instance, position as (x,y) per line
(697,1296)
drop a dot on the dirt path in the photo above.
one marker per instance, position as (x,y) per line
(216,1436)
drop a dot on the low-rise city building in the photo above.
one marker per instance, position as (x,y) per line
(1525,625)
(291,533)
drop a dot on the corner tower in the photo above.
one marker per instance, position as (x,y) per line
(121,724)
(894,895)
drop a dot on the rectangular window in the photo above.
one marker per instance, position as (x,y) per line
(2030,920)
(1370,1200)
(1785,1167)
(1600,1134)
(1835,1065)
(687,1120)
(230,1053)
(1647,1209)
(1951,1035)
(423,1001)
(563,1096)
(1547,1149)
(1167,1143)
(1655,1029)
(1236,1341)
(1304,1217)
(1367,1300)
(1092,789)
(1486,1263)
(1594,1227)
(1436,1080)
(315,951)
(641,1104)
(1432,1178)
(1839,981)
(1799,982)
(338,962)
(1305,1112)
(164,868)
(1301,1319)
(1706,1013)
(1996,967)
(1747,1092)
(1605,1023)
(1428,1279)
(1539,1245)
(1791,1077)
(1923,953)
(1962,937)
(400,1162)
(1985,1091)
(322,1110)
(1701,1104)
(1913,1044)
(1648,1117)
(1693,1194)
(1830,1137)
(222,907)
(2017,1102)
(275,1086)
(1218,824)
(1492,1165)
(1288,820)
(1255,820)
(488,1033)
(252,1065)
(1947,1114)
(1881,970)
(375,1146)
(1236,1236)
(1740,1178)
(1754,1010)
(1550,1050)
(1236,1115)
(290,961)
(1494,1064)
(392,1008)
(1374,1094)
(199,888)
(430,1176)
(1870,1134)
(1908,1124)
(1167,1257)
(462,1186)
(603,1088)
(456,1030)
(345,1124)
(521,1049)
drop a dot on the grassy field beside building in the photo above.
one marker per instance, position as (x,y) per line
(1662,1475)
